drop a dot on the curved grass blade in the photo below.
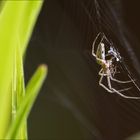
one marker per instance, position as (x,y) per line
(31,93)
(17,19)
(8,43)
(18,89)
(27,22)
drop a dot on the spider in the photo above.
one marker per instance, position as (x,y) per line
(108,69)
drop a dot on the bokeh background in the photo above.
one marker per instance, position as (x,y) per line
(71,104)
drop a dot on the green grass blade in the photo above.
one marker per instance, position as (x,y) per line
(17,19)
(32,90)
(18,89)
(27,22)
(8,39)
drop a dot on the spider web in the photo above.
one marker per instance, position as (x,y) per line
(105,17)
(94,16)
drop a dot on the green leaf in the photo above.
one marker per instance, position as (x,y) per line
(32,90)
(27,21)
(8,43)
(17,19)
(18,89)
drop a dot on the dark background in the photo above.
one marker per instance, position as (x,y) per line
(71,104)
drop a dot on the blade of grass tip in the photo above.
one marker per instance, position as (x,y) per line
(29,16)
(27,23)
(23,111)
(10,17)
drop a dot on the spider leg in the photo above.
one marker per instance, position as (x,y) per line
(110,86)
(110,89)
(113,79)
(101,72)
(125,89)
(101,84)
(119,81)
(93,45)
(117,91)
(134,83)
(115,71)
